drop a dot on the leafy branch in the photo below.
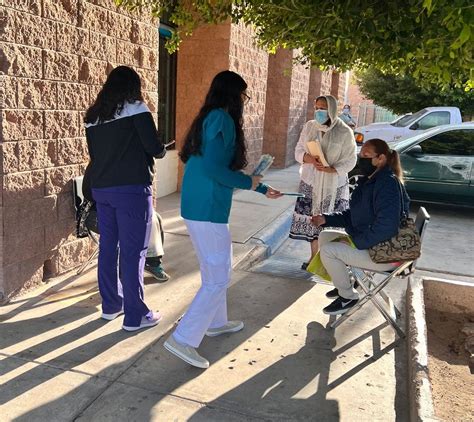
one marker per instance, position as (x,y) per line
(429,39)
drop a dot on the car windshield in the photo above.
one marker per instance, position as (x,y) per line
(408,120)
(406,143)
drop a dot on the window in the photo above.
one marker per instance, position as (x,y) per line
(437,118)
(454,142)
(402,121)
(166,87)
(408,120)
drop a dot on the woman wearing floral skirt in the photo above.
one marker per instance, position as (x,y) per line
(326,189)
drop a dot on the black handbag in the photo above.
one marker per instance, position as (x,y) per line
(404,246)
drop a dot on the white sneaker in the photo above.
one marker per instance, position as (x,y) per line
(149,320)
(110,317)
(230,327)
(187,353)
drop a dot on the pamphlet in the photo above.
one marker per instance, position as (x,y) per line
(314,148)
(266,160)
(297,194)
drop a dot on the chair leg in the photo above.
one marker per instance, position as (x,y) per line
(377,304)
(370,295)
(89,260)
(394,312)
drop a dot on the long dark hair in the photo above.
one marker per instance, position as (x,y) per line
(393,159)
(122,85)
(225,92)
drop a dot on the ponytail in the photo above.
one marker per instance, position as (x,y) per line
(393,159)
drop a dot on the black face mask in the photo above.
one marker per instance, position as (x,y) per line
(365,166)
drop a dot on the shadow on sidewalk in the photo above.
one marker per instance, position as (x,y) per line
(293,388)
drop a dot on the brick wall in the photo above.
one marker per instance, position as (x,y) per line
(55,56)
(300,78)
(251,63)
(356,99)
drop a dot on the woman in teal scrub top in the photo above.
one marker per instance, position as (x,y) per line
(214,152)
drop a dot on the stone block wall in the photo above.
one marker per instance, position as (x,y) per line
(251,63)
(212,49)
(319,84)
(201,56)
(326,80)
(300,79)
(55,54)
(277,108)
(341,92)
(286,107)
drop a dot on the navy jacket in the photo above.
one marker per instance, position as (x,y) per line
(374,210)
(122,150)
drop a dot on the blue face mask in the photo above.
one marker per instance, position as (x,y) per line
(321,116)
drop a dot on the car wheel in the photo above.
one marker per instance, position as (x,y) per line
(353,180)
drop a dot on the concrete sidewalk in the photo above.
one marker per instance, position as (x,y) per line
(59,362)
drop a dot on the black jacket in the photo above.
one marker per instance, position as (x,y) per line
(375,209)
(122,150)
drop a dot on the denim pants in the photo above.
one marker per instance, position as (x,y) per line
(124,217)
(213,246)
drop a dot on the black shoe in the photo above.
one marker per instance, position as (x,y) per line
(340,306)
(332,294)
(304,266)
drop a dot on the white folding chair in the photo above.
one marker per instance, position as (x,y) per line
(371,288)
(78,197)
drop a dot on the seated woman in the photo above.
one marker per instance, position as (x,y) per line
(374,213)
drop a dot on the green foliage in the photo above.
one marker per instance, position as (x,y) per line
(429,39)
(403,94)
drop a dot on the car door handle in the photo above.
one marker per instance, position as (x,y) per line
(459,167)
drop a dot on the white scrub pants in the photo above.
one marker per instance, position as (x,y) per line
(213,246)
(335,257)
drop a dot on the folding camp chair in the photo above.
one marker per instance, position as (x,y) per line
(78,197)
(371,288)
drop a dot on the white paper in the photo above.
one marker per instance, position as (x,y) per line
(314,148)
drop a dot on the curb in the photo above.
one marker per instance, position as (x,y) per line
(420,397)
(273,235)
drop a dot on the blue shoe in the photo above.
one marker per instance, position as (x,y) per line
(157,272)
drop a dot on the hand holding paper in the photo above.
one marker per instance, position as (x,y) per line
(314,148)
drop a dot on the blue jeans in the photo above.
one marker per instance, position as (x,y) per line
(124,216)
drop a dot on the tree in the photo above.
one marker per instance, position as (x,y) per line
(429,39)
(402,94)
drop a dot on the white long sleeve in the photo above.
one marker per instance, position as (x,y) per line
(300,148)
(345,165)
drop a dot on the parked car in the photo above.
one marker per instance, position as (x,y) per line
(409,125)
(438,165)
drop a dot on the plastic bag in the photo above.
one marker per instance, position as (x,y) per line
(155,245)
(316,266)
